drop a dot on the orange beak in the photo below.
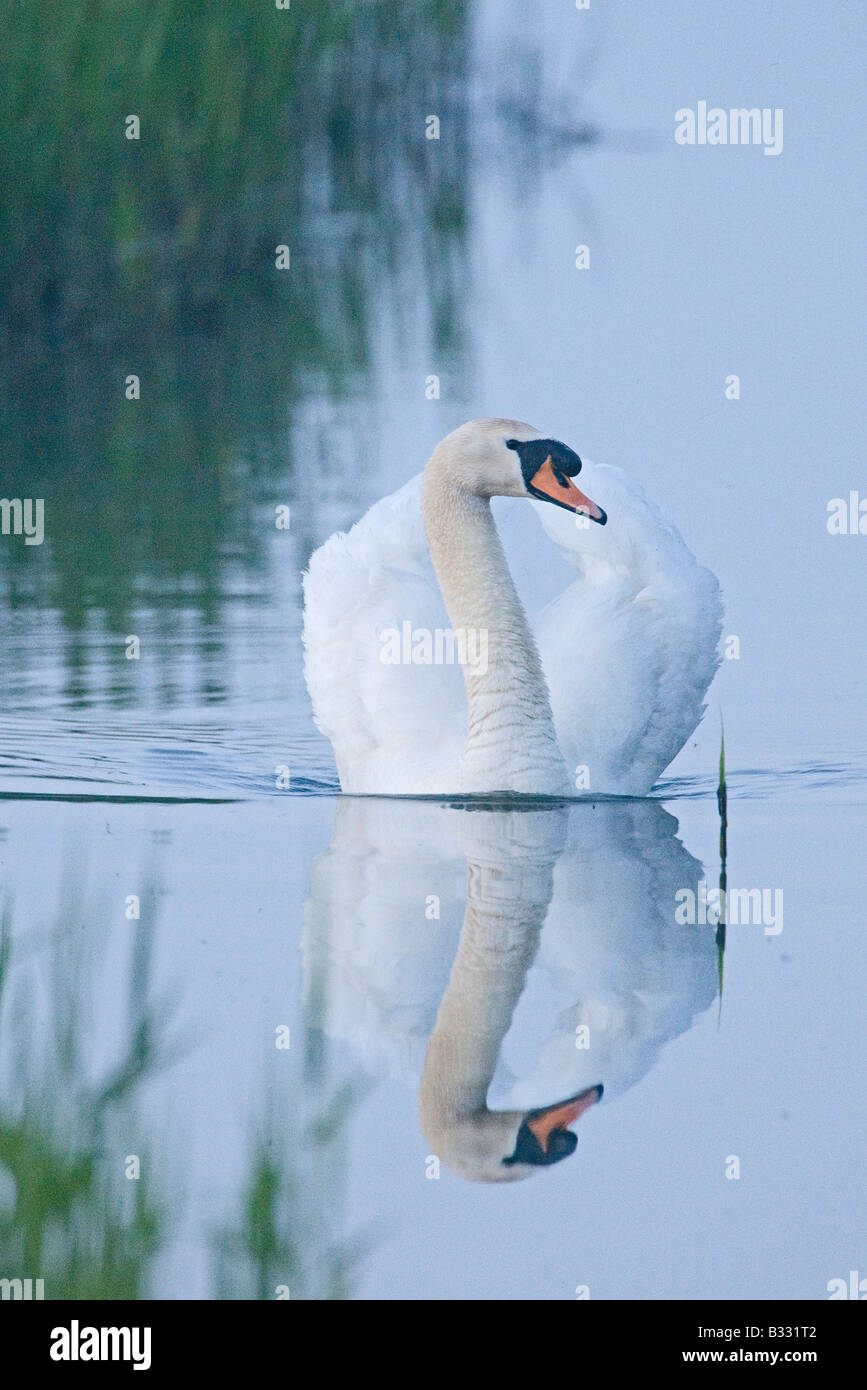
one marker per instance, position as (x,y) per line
(556,487)
(544,1122)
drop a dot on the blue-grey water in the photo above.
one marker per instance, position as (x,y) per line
(726,1159)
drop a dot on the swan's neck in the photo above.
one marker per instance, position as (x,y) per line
(509,888)
(499,939)
(511,744)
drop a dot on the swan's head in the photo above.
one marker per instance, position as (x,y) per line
(504,458)
(504,1146)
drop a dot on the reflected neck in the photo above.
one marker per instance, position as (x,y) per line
(509,889)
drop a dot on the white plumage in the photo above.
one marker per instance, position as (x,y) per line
(628,648)
(393,728)
(467,948)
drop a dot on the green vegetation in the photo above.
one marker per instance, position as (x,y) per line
(243,108)
(71,1216)
(285,1243)
(74,1219)
(156,257)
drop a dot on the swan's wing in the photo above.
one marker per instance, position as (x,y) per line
(630,648)
(381,927)
(394,727)
(612,960)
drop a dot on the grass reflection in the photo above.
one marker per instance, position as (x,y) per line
(235,104)
(74,1214)
(156,257)
(72,1217)
(286,1243)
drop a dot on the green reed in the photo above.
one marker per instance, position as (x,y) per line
(101,233)
(69,1213)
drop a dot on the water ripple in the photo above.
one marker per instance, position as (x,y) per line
(77,759)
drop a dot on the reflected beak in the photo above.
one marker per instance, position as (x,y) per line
(542,1123)
(544,1137)
(551,485)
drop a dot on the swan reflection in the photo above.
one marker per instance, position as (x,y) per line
(514,963)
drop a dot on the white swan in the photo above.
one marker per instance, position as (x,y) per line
(611,679)
(464,952)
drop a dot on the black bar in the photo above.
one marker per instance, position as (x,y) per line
(647,1335)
